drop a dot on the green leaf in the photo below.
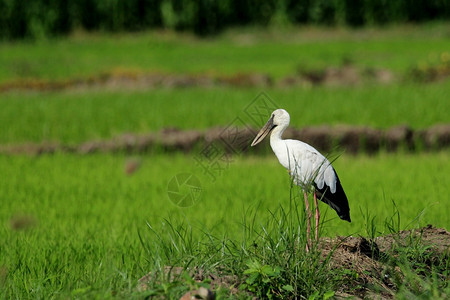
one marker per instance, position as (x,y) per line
(254,265)
(313,296)
(267,270)
(187,277)
(288,288)
(250,271)
(328,295)
(250,280)
(80,290)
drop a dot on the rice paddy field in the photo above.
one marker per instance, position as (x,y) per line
(87,226)
(72,117)
(279,52)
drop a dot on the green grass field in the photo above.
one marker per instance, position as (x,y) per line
(61,188)
(279,53)
(72,117)
(77,226)
(85,215)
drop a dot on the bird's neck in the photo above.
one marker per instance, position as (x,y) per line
(276,134)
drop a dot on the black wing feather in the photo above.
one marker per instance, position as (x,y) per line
(337,200)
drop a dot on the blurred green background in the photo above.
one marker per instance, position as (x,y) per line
(39,18)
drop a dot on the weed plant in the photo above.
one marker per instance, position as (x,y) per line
(270,260)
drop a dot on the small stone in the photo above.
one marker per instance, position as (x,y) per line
(201,293)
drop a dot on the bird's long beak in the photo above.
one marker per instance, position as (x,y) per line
(264,131)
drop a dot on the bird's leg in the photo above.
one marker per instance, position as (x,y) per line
(308,224)
(317,215)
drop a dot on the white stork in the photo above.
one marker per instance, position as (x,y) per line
(308,168)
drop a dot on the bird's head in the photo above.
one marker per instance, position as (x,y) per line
(279,118)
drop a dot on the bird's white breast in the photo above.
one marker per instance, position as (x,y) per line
(304,163)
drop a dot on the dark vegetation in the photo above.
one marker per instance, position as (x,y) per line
(38,18)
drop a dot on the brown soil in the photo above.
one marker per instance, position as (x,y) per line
(356,254)
(352,139)
(120,79)
(366,259)
(345,75)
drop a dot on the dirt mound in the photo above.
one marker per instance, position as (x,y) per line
(437,238)
(344,75)
(352,139)
(119,79)
(368,258)
(130,80)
